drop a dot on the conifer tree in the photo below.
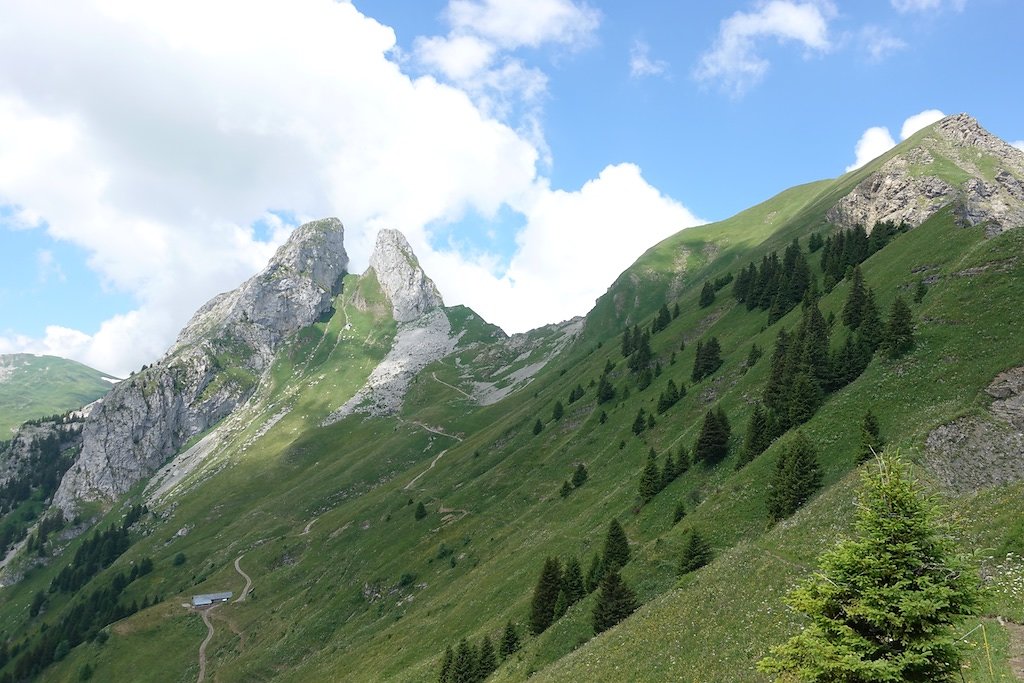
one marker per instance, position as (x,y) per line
(682,461)
(758,436)
(796,477)
(707,295)
(421,511)
(572,581)
(579,476)
(616,547)
(558,411)
(538,427)
(696,553)
(669,397)
(487,660)
(650,479)
(663,318)
(565,490)
(678,513)
(668,471)
(898,338)
(464,666)
(545,595)
(641,357)
(627,343)
(882,605)
(605,390)
(870,438)
(755,355)
(854,308)
(615,602)
(805,396)
(447,672)
(640,421)
(713,441)
(561,606)
(509,641)
(594,574)
(776,390)
(707,359)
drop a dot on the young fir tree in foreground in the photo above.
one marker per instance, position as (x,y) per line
(883,604)
(615,602)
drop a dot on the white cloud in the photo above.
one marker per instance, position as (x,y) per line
(47,267)
(156,153)
(918,121)
(569,237)
(1019,144)
(517,23)
(879,43)
(906,6)
(640,62)
(877,140)
(734,60)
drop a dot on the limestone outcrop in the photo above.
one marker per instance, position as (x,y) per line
(956,162)
(213,367)
(406,286)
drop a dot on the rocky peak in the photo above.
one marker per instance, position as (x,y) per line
(407,287)
(953,162)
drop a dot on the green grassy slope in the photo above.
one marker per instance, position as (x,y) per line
(39,386)
(350,586)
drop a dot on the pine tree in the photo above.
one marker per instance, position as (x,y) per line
(805,397)
(558,411)
(447,672)
(509,641)
(898,338)
(421,511)
(696,553)
(713,441)
(579,476)
(538,427)
(572,581)
(870,438)
(545,595)
(650,479)
(615,602)
(487,660)
(854,307)
(707,295)
(882,604)
(616,547)
(796,477)
(707,359)
(758,437)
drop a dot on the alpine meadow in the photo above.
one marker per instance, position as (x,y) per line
(783,446)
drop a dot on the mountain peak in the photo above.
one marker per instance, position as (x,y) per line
(953,162)
(398,271)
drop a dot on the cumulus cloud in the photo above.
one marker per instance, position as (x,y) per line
(159,153)
(877,140)
(734,60)
(47,267)
(879,43)
(640,62)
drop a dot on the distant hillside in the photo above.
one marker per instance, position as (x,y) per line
(36,386)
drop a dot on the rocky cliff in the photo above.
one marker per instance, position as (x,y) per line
(953,162)
(407,287)
(212,368)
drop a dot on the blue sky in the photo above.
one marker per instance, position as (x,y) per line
(153,155)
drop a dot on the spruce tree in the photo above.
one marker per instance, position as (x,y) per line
(663,318)
(713,441)
(509,641)
(447,672)
(538,427)
(870,438)
(650,479)
(464,666)
(487,660)
(572,581)
(898,338)
(640,421)
(615,602)
(678,513)
(883,604)
(545,595)
(854,308)
(668,471)
(758,436)
(707,295)
(869,336)
(696,553)
(605,390)
(565,490)
(755,355)
(579,475)
(561,606)
(796,477)
(616,547)
(594,574)
(558,411)
(421,511)
(682,461)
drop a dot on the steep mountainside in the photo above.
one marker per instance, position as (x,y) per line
(39,386)
(391,474)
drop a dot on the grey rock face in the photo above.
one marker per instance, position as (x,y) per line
(148,417)
(911,187)
(407,287)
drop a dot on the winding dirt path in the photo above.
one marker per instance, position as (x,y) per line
(209,637)
(248,581)
(450,386)
(417,477)
(309,525)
